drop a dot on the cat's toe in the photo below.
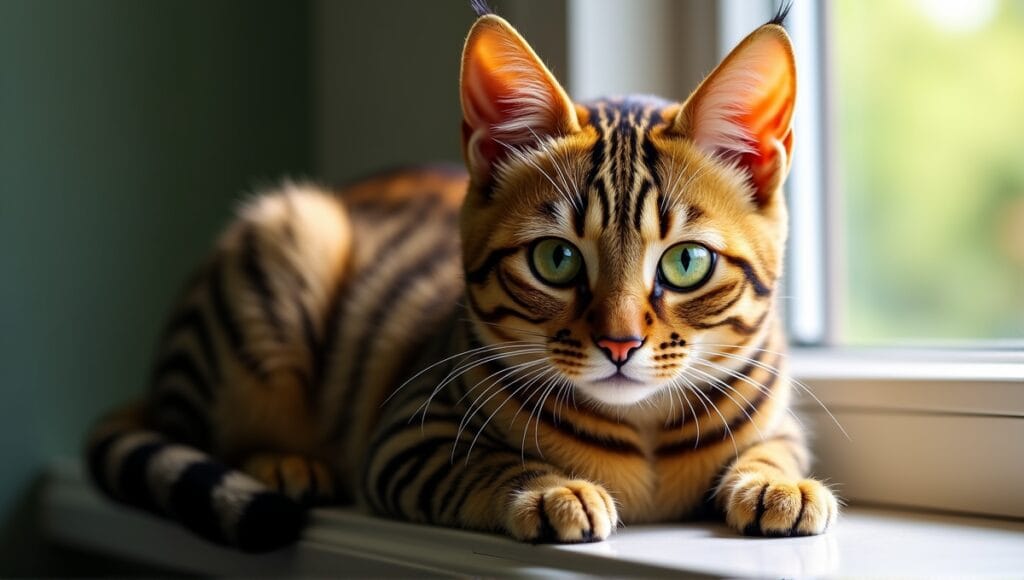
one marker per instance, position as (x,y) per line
(762,506)
(305,480)
(576,511)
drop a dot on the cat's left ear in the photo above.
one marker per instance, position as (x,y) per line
(509,98)
(743,111)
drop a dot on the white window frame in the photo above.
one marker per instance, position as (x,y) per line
(934,428)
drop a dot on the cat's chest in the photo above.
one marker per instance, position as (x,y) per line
(665,482)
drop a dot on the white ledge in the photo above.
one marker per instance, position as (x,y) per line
(905,363)
(342,542)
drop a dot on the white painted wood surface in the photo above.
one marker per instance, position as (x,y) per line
(342,542)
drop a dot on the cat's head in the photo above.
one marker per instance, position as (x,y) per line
(621,244)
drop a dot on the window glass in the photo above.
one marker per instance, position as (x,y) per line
(930,102)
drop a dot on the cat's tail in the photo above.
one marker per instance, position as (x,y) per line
(143,468)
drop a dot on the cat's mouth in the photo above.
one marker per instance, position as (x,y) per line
(618,379)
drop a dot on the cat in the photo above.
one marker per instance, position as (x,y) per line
(577,333)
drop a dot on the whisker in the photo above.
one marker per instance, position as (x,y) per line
(740,376)
(466,367)
(700,394)
(442,361)
(522,156)
(511,328)
(741,407)
(497,387)
(775,371)
(531,378)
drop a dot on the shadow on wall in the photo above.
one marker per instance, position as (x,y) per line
(129,130)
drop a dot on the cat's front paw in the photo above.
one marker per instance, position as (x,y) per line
(758,505)
(573,511)
(305,480)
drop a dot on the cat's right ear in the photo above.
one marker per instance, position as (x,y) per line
(509,98)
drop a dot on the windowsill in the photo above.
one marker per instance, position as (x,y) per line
(864,542)
(904,363)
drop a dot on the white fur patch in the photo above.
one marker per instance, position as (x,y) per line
(166,467)
(120,450)
(230,499)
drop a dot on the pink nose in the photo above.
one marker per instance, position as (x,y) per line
(619,349)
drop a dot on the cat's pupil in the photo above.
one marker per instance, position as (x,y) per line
(562,254)
(684,258)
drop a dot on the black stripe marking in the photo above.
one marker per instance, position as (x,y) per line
(638,209)
(221,310)
(259,281)
(499,312)
(422,265)
(664,217)
(269,521)
(691,444)
(760,288)
(606,204)
(191,500)
(605,443)
(754,528)
(485,477)
(132,483)
(738,325)
(385,486)
(192,320)
(97,461)
(181,363)
(177,416)
(481,273)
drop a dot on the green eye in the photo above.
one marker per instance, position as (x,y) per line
(555,261)
(686,266)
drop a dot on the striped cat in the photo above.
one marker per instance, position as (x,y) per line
(600,347)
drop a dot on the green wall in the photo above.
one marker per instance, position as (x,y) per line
(128,130)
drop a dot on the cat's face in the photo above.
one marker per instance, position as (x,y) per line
(628,245)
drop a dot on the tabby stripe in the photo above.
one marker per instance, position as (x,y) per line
(602,194)
(400,427)
(664,218)
(419,455)
(259,281)
(485,475)
(481,273)
(385,479)
(417,212)
(181,363)
(689,445)
(133,487)
(519,481)
(429,490)
(190,500)
(191,320)
(499,312)
(760,288)
(719,395)
(421,265)
(221,310)
(650,153)
(180,419)
(737,324)
(313,347)
(610,444)
(645,188)
(699,307)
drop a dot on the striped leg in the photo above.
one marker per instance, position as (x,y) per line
(305,480)
(413,474)
(764,492)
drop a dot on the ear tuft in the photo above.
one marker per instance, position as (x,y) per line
(509,98)
(742,113)
(480,7)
